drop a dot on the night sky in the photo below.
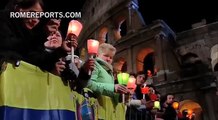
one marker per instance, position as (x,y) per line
(179,14)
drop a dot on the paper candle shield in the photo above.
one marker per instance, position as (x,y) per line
(123,78)
(92,46)
(74,27)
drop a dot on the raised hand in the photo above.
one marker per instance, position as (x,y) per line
(70,41)
(89,65)
(53,25)
(121,89)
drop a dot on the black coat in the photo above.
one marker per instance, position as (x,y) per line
(14,38)
(19,43)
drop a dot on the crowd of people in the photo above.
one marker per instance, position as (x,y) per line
(41,43)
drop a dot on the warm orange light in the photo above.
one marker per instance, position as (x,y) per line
(145,90)
(74,27)
(175,105)
(131,83)
(153,97)
(190,112)
(92,46)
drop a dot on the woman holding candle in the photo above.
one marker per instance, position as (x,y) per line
(169,113)
(140,80)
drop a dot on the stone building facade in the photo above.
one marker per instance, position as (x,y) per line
(184,64)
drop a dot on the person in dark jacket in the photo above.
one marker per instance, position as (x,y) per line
(16,34)
(169,113)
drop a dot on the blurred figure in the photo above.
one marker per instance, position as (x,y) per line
(16,34)
(140,80)
(139,108)
(169,113)
(54,41)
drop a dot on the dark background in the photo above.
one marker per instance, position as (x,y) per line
(178,14)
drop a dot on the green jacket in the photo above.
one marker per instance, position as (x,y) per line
(102,79)
(102,85)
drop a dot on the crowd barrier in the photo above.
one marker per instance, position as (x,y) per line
(28,93)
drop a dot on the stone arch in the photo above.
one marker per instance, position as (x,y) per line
(141,58)
(214,57)
(191,106)
(149,63)
(120,65)
(120,25)
(102,36)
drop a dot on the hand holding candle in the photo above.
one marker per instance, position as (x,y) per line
(144,90)
(175,105)
(131,84)
(156,105)
(73,32)
(92,46)
(123,80)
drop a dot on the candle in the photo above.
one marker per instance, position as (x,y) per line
(144,90)
(123,80)
(153,97)
(74,28)
(156,105)
(175,105)
(92,46)
(131,83)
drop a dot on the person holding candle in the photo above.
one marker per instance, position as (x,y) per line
(46,50)
(139,107)
(169,113)
(19,40)
(133,103)
(102,82)
(140,80)
(51,54)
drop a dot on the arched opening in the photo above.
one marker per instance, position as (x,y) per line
(149,62)
(103,35)
(120,65)
(190,58)
(120,27)
(216,67)
(145,60)
(192,65)
(123,28)
(214,57)
(192,108)
(124,67)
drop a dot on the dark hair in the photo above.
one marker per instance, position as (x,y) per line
(164,98)
(132,73)
(140,73)
(13,4)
